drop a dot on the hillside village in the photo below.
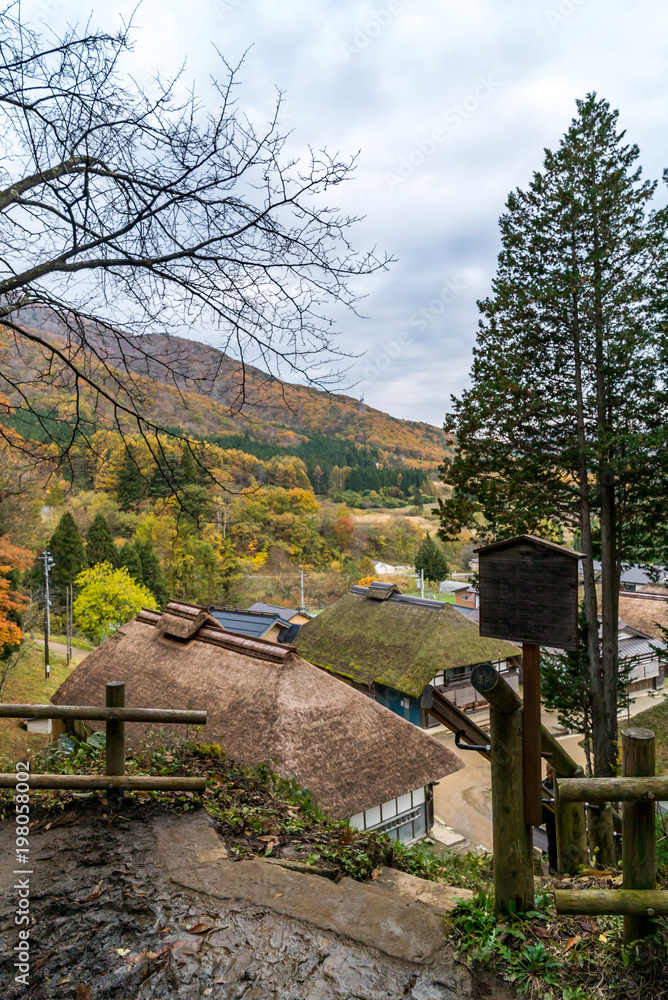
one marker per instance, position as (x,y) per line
(301,699)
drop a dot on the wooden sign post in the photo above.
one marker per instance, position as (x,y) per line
(529,594)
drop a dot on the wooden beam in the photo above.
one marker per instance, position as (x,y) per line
(531,746)
(115,741)
(100,714)
(616,902)
(601,790)
(87,782)
(441,708)
(498,692)
(638,830)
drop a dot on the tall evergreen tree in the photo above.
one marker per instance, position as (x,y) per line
(430,558)
(67,548)
(129,560)
(188,470)
(100,545)
(131,485)
(565,420)
(152,574)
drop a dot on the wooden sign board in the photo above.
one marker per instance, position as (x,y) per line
(529,592)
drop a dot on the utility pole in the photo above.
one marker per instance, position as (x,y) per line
(301,586)
(48,561)
(422,583)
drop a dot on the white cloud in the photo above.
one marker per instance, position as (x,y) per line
(388,95)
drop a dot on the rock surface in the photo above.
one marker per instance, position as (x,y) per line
(113,917)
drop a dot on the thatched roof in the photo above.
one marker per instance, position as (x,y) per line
(265,703)
(401,642)
(644,613)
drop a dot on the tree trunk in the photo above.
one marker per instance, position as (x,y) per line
(597,704)
(605,713)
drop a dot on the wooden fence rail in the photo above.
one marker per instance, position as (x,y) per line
(638,901)
(115,715)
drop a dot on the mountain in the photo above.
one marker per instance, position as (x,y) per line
(196,388)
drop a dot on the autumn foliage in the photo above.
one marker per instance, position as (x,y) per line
(12,558)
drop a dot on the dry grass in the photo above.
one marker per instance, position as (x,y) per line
(27,685)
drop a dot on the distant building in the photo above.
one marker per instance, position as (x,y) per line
(265,703)
(291,615)
(268,625)
(389,646)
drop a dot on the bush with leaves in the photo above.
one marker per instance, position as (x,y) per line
(107,599)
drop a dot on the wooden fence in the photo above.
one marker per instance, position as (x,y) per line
(115,715)
(638,789)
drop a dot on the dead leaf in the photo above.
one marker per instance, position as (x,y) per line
(122,952)
(603,938)
(169,758)
(97,891)
(278,894)
(83,991)
(201,925)
(374,874)
(181,949)
(572,942)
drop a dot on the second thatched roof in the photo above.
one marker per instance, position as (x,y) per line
(392,639)
(263,702)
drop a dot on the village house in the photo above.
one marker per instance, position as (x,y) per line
(269,625)
(265,703)
(389,646)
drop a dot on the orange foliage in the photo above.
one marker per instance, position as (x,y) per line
(12,557)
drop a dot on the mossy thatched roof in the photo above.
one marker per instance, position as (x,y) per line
(401,642)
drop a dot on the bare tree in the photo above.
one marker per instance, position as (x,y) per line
(125,212)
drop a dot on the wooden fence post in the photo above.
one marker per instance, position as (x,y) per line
(602,835)
(115,743)
(512,837)
(571,824)
(638,828)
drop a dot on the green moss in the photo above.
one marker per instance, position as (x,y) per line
(393,643)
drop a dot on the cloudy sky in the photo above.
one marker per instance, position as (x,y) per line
(450,104)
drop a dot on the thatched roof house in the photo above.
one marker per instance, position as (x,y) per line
(644,612)
(264,702)
(384,641)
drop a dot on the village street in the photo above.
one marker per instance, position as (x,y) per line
(463,800)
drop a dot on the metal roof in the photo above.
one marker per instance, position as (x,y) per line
(252,623)
(276,609)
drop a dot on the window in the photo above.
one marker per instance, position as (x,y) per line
(403,818)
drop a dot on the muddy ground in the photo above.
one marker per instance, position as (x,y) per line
(109,923)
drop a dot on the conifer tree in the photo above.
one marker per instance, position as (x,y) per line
(564,424)
(152,574)
(188,471)
(100,545)
(67,548)
(430,558)
(131,486)
(129,560)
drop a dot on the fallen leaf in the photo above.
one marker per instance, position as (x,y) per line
(278,894)
(83,991)
(181,949)
(165,930)
(374,874)
(97,891)
(603,938)
(122,952)
(572,942)
(202,925)
(169,758)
